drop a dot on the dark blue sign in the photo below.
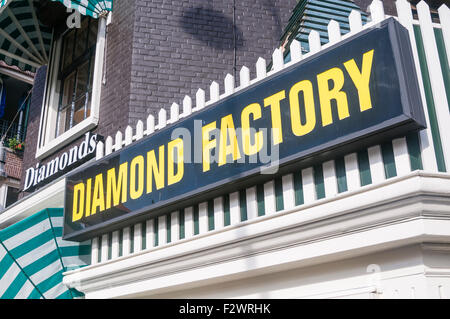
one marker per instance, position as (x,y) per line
(356,93)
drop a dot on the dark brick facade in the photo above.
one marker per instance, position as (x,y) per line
(158,51)
(181,46)
(37,96)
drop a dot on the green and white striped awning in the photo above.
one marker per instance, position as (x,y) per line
(92,8)
(24,41)
(33,257)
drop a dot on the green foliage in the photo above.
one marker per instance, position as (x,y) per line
(15,144)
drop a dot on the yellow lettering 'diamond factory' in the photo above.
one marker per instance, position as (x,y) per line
(155,170)
(274,103)
(88,196)
(250,149)
(361,79)
(175,145)
(98,198)
(116,187)
(148,172)
(335,93)
(298,128)
(137,177)
(78,202)
(227,132)
(207,145)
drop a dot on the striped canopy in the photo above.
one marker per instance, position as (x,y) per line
(91,8)
(24,41)
(33,258)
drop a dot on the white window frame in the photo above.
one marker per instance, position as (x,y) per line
(47,142)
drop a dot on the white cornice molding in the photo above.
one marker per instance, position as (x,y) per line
(437,272)
(411,209)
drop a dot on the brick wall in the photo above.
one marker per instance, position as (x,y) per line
(115,95)
(159,51)
(37,96)
(13,164)
(181,46)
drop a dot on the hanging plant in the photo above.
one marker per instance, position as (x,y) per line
(16,145)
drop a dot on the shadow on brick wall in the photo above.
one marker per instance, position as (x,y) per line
(272,7)
(206,24)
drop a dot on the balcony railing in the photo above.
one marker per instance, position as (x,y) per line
(11,130)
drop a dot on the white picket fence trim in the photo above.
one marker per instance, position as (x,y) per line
(436,78)
(427,151)
(444,16)
(107,246)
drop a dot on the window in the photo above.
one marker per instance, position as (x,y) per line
(72,94)
(76,75)
(12,196)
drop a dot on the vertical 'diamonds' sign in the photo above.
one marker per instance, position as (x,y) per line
(356,93)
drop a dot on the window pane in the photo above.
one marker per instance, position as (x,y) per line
(68,118)
(12,195)
(78,114)
(68,43)
(88,108)
(81,41)
(89,88)
(66,104)
(82,80)
(68,87)
(63,120)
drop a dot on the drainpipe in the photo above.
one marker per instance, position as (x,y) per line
(19,127)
